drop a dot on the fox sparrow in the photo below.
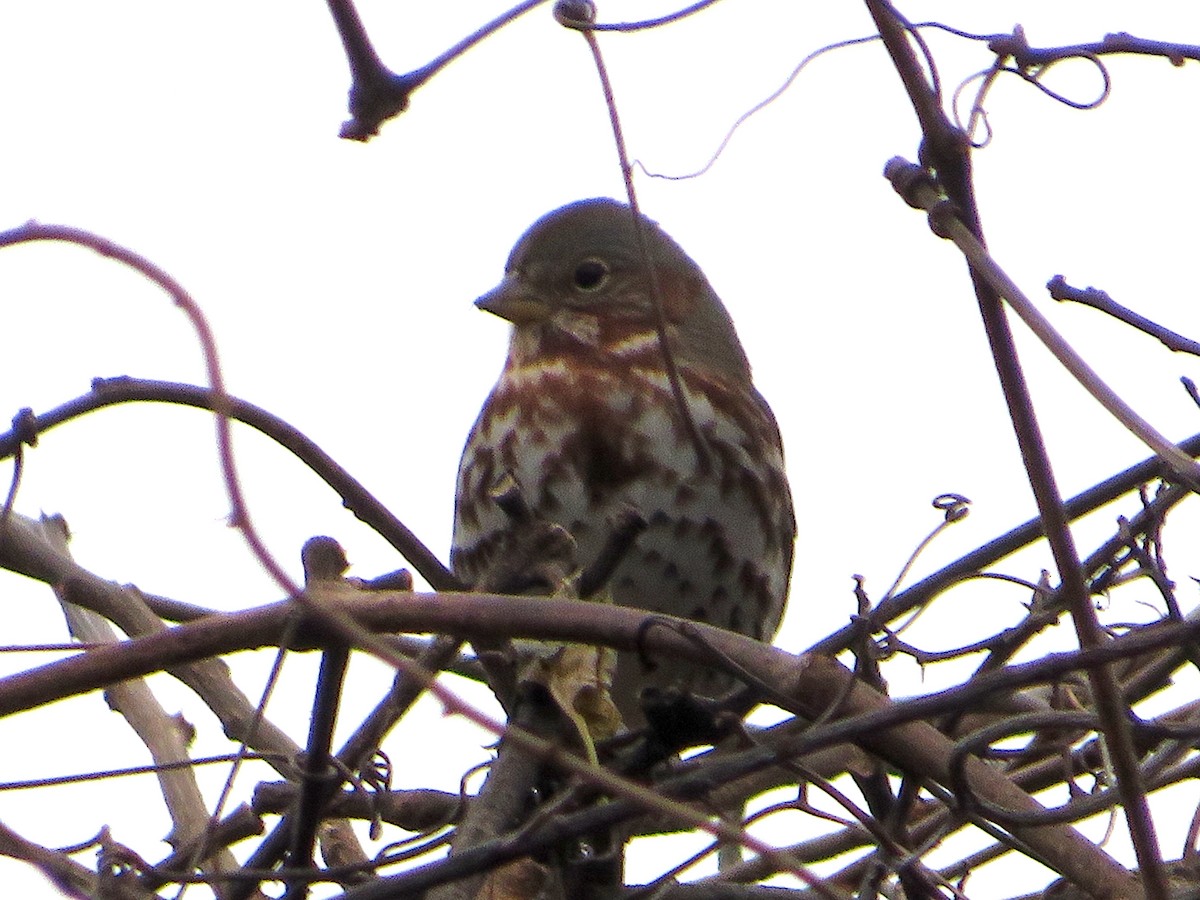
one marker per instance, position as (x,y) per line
(585,422)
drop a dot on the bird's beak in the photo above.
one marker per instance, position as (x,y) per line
(513,300)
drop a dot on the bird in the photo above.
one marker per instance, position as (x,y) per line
(585,422)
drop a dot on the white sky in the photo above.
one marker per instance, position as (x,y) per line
(339,277)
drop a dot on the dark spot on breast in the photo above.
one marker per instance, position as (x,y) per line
(718,547)
(605,469)
(682,529)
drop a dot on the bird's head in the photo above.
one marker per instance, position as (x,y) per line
(584,272)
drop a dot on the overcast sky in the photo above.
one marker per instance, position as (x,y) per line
(339,277)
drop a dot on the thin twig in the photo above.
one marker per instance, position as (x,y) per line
(376,92)
(909,181)
(355,497)
(571,14)
(1098,299)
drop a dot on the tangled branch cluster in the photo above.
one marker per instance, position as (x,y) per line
(1017,751)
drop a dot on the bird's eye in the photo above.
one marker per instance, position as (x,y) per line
(591,274)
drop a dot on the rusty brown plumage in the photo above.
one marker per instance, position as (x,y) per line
(584,420)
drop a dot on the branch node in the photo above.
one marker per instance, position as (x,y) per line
(25,427)
(909,180)
(577,14)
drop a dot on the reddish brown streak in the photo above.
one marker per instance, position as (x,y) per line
(579,387)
